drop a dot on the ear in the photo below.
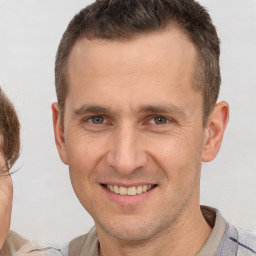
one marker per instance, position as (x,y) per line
(59,133)
(214,131)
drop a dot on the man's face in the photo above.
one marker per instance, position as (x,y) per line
(133,124)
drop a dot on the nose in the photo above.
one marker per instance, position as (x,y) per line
(127,152)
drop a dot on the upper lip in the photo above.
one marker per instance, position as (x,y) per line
(134,184)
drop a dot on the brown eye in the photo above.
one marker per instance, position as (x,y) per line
(160,120)
(97,119)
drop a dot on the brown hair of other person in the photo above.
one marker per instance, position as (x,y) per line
(9,132)
(124,20)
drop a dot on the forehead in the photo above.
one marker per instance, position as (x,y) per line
(146,65)
(165,47)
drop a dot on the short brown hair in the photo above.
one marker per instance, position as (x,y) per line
(9,132)
(124,19)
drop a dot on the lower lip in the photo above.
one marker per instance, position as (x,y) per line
(128,200)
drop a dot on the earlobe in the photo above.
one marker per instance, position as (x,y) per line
(214,131)
(59,133)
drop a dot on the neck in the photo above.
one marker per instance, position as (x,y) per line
(186,237)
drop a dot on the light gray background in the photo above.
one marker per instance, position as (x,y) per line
(45,207)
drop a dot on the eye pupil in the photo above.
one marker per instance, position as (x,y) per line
(160,120)
(97,120)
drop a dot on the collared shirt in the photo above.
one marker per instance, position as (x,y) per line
(224,240)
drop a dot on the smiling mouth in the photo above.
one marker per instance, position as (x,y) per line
(129,191)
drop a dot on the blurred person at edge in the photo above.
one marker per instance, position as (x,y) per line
(137,84)
(12,243)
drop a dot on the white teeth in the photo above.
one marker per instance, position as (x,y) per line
(116,189)
(123,191)
(144,188)
(130,191)
(139,190)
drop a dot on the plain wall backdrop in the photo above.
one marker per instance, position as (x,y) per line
(45,206)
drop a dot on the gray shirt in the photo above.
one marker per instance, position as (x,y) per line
(225,239)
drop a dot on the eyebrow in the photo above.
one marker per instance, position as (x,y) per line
(161,109)
(85,109)
(164,109)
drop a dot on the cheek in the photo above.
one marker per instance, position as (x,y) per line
(84,156)
(82,160)
(179,158)
(171,149)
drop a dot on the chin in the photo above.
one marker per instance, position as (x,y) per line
(133,230)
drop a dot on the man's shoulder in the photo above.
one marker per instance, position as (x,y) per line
(239,241)
(88,243)
(226,239)
(76,244)
(246,241)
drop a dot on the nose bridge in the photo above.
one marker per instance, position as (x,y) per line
(127,154)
